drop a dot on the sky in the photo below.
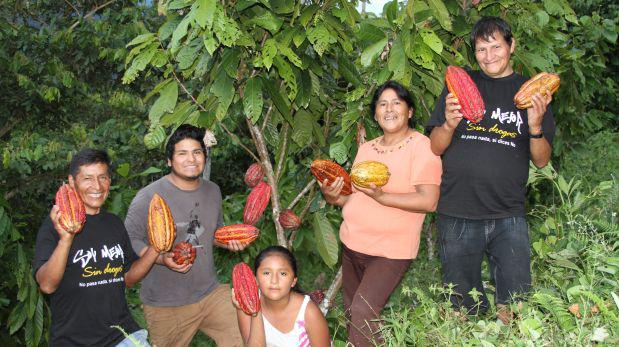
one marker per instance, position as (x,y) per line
(375,6)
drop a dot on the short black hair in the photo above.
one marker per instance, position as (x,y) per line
(88,156)
(185,131)
(487,26)
(402,93)
(284,253)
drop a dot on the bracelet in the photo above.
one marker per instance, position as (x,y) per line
(536,136)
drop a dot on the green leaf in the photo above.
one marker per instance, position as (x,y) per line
(230,60)
(278,100)
(252,99)
(141,39)
(205,12)
(302,128)
(432,40)
(188,54)
(123,169)
(268,21)
(397,60)
(226,29)
(440,13)
(370,34)
(179,33)
(304,92)
(269,51)
(223,88)
(320,37)
(155,137)
(390,10)
(553,7)
(285,72)
(165,103)
(339,152)
(565,263)
(151,170)
(326,242)
(291,55)
(369,54)
(209,43)
(348,70)
(282,6)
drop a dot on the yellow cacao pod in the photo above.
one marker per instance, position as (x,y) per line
(367,172)
(161,227)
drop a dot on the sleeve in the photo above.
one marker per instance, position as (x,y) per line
(137,220)
(548,125)
(437,118)
(129,254)
(220,218)
(47,240)
(427,167)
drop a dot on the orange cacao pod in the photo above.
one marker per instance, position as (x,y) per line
(245,289)
(544,83)
(366,172)
(161,227)
(289,220)
(183,253)
(460,84)
(256,203)
(326,169)
(254,175)
(240,232)
(71,209)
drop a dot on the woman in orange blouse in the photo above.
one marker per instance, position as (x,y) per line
(381,228)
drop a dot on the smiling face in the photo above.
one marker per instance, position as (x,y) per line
(92,183)
(493,54)
(275,277)
(188,159)
(392,113)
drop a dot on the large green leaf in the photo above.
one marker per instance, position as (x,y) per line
(226,29)
(321,38)
(397,60)
(268,21)
(252,99)
(304,92)
(269,51)
(205,12)
(278,100)
(326,242)
(285,72)
(348,70)
(432,40)
(302,128)
(155,137)
(165,103)
(369,54)
(223,88)
(440,13)
(179,33)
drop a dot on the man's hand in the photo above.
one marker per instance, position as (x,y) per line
(452,112)
(535,114)
(168,261)
(332,192)
(54,215)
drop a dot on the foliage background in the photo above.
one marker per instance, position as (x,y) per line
(302,72)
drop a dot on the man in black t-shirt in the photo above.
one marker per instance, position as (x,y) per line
(481,209)
(85,273)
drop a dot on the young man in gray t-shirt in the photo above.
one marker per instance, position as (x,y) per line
(180,299)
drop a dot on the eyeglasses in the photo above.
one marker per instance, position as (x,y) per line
(184,154)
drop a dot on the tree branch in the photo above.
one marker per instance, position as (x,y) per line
(308,204)
(79,14)
(309,185)
(91,13)
(283,150)
(331,292)
(9,126)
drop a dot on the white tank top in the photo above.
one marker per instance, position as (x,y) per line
(297,337)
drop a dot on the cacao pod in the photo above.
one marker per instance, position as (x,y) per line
(245,289)
(317,296)
(71,208)
(183,253)
(366,172)
(289,220)
(460,84)
(254,175)
(544,83)
(240,232)
(161,227)
(326,169)
(256,203)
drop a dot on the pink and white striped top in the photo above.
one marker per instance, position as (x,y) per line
(297,337)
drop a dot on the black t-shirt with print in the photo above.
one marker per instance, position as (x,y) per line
(91,296)
(486,166)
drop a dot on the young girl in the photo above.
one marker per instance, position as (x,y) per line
(287,318)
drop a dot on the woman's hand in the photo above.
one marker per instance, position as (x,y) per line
(332,193)
(373,191)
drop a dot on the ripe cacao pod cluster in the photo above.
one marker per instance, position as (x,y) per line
(161,227)
(543,83)
(245,233)
(245,289)
(289,220)
(317,296)
(256,203)
(183,253)
(460,84)
(326,169)
(71,208)
(254,175)
(367,172)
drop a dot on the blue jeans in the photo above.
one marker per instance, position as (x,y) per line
(464,242)
(141,336)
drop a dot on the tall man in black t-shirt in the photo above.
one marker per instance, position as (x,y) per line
(481,209)
(85,274)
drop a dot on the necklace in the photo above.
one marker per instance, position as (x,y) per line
(392,148)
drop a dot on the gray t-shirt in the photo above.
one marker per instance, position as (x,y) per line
(197,214)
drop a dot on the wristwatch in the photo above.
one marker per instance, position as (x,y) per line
(536,136)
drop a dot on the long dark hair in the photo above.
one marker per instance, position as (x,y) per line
(284,253)
(402,93)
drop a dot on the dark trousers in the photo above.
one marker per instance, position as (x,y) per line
(368,281)
(465,242)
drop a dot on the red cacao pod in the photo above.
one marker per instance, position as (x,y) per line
(240,232)
(289,220)
(254,175)
(245,289)
(256,203)
(71,209)
(544,83)
(326,169)
(366,172)
(317,296)
(460,84)
(161,227)
(183,253)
